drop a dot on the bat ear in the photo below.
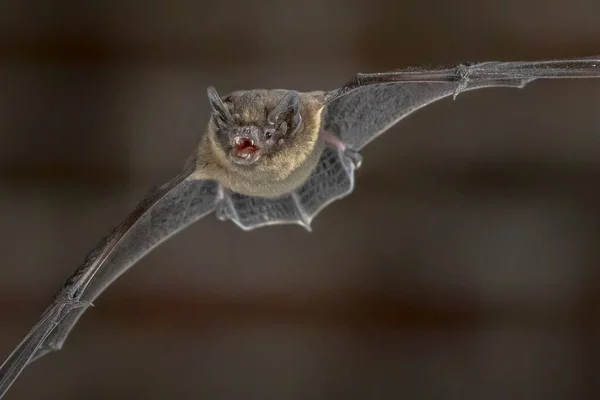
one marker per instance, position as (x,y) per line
(288,111)
(221,115)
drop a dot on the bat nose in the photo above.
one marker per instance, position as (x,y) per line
(246,131)
(242,131)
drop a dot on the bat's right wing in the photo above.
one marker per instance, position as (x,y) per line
(164,212)
(364,108)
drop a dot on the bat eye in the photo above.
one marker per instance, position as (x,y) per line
(268,135)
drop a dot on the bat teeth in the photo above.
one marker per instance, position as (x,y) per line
(244,147)
(244,141)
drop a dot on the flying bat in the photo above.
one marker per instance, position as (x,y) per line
(269,157)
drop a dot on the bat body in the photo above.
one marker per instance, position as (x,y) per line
(269,157)
(256,152)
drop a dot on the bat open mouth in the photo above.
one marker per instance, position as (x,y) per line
(245,149)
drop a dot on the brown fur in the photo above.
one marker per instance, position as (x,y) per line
(279,173)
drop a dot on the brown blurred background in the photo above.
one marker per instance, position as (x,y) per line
(464,266)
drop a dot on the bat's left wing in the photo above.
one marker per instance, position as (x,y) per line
(364,108)
(164,212)
(367,106)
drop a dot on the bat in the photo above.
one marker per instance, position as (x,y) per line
(269,157)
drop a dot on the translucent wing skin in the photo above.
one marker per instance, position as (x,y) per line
(163,213)
(370,104)
(332,179)
(166,211)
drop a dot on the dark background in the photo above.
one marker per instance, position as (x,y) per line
(465,265)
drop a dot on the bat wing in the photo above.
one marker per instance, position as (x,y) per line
(332,179)
(370,104)
(164,212)
(366,107)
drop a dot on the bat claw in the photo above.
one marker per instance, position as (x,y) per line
(80,304)
(464,75)
(355,157)
(75,304)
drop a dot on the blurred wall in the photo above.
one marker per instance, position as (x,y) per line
(465,265)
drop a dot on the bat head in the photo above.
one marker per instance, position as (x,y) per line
(252,126)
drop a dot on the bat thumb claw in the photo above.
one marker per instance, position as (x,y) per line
(355,157)
(74,304)
(464,75)
(82,304)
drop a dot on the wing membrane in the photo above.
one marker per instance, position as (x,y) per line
(363,114)
(165,211)
(332,179)
(363,109)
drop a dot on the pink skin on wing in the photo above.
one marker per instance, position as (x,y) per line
(337,144)
(333,140)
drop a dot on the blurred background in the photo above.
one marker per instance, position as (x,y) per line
(464,266)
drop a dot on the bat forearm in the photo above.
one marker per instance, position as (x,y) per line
(576,68)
